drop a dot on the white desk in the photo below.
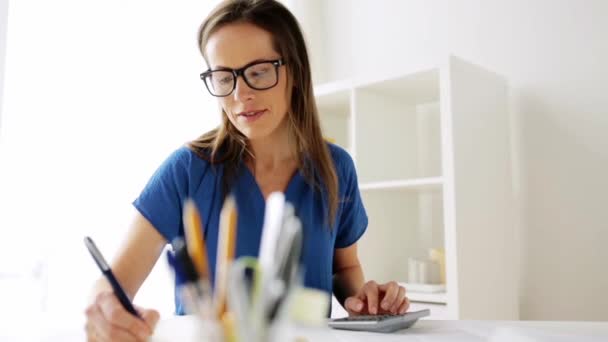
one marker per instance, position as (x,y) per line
(429,330)
(180,328)
(494,331)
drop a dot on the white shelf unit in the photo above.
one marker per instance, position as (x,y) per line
(420,183)
(431,147)
(336,102)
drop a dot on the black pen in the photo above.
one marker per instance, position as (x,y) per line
(107,272)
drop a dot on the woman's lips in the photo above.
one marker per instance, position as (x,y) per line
(251,115)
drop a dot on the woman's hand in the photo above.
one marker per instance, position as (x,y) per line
(375,299)
(107,320)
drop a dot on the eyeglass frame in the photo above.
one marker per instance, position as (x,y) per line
(241,72)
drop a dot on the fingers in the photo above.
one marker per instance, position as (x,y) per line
(99,329)
(107,320)
(89,328)
(399,300)
(116,315)
(151,317)
(370,291)
(353,305)
(391,299)
(377,299)
(404,306)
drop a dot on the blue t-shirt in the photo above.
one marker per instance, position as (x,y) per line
(185,175)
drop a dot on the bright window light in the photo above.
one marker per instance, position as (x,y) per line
(96,95)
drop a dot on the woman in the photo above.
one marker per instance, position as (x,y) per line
(269,140)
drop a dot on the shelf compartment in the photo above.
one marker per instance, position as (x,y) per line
(335,116)
(396,139)
(402,224)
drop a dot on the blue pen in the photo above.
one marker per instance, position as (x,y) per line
(180,279)
(107,272)
(194,291)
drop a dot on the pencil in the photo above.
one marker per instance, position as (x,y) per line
(195,242)
(225,253)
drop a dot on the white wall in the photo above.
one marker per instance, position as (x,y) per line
(3,21)
(555,56)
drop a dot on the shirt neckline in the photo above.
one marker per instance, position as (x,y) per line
(260,195)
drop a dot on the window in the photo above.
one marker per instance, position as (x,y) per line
(96,95)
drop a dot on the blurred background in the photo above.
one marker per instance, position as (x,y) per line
(95,95)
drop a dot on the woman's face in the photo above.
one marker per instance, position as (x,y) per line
(255,113)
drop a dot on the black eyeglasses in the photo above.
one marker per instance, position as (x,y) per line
(259,75)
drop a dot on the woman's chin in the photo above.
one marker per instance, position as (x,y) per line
(255,132)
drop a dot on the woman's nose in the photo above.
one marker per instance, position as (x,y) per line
(242,91)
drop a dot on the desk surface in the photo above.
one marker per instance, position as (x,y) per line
(495,331)
(180,329)
(429,330)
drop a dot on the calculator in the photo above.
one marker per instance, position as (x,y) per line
(378,323)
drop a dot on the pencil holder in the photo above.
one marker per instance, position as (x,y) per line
(189,328)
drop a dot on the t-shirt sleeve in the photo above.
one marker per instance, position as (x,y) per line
(352,220)
(160,202)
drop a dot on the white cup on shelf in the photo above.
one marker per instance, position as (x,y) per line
(423,271)
(412,271)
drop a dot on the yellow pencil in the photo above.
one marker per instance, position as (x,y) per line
(225,253)
(193,229)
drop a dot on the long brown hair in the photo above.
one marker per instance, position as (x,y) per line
(227,145)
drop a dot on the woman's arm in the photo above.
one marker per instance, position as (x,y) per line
(106,318)
(360,297)
(348,276)
(137,255)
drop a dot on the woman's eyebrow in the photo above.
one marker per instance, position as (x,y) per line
(220,67)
